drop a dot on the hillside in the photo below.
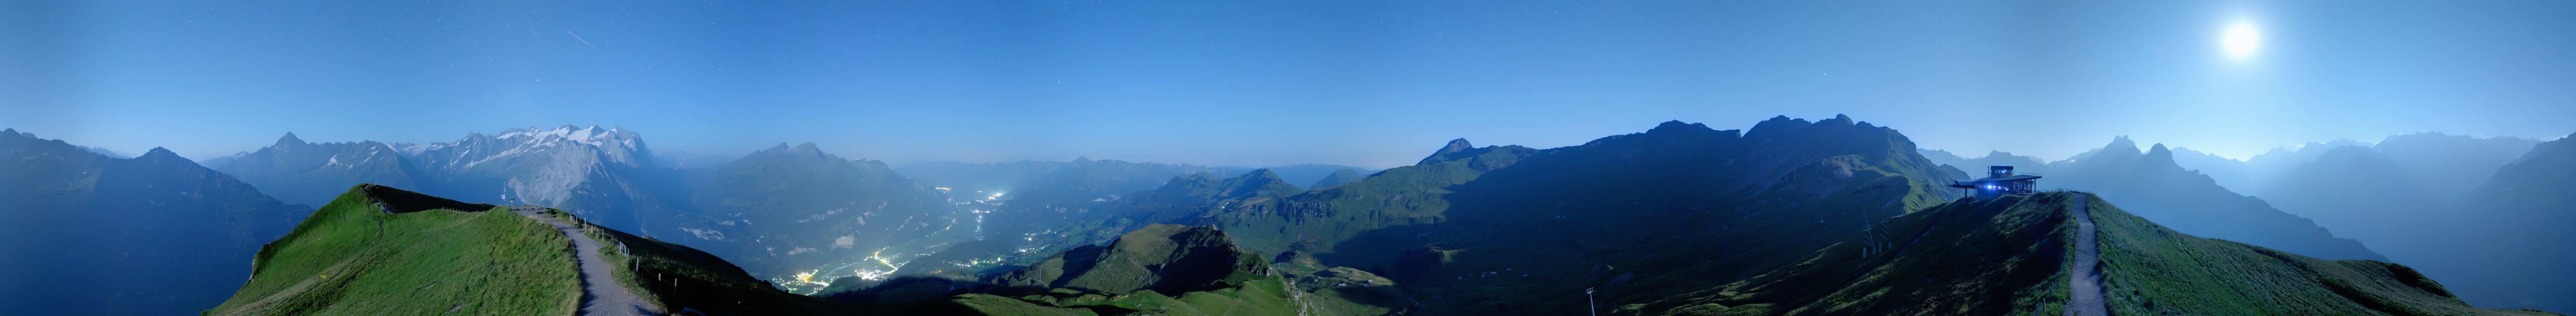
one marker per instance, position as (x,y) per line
(2009,256)
(378,250)
(90,234)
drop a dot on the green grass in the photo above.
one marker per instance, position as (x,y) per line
(1995,257)
(2151,270)
(350,258)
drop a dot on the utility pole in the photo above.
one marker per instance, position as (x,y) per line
(1588,303)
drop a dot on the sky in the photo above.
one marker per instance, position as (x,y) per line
(1373,84)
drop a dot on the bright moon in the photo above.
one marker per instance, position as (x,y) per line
(2241,40)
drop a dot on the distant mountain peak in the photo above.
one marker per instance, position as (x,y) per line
(1676,125)
(1457,145)
(1840,119)
(2161,157)
(159,153)
(1262,175)
(2123,143)
(289,139)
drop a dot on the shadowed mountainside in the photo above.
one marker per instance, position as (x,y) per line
(90,234)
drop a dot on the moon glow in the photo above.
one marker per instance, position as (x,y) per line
(2241,40)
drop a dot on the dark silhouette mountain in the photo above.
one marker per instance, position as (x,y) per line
(89,234)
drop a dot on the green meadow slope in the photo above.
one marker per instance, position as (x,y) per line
(2152,270)
(2010,256)
(377,250)
(381,251)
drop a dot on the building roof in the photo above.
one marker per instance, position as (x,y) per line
(2017,177)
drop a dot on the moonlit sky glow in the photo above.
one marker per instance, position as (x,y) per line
(2241,40)
(1277,82)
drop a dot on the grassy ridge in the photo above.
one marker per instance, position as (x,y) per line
(1994,257)
(352,258)
(2151,270)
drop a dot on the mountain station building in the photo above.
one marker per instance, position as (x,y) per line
(1999,180)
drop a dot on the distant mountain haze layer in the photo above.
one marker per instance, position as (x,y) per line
(786,209)
(2503,240)
(2157,188)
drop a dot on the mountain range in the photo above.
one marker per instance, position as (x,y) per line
(2160,189)
(2425,200)
(381,250)
(90,234)
(1790,216)
(607,174)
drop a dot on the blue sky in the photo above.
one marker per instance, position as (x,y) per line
(1275,82)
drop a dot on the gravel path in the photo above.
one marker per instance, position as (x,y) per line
(600,293)
(2087,283)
